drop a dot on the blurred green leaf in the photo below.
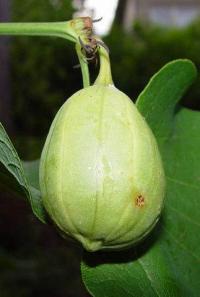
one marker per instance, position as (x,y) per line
(167,262)
(31,169)
(10,159)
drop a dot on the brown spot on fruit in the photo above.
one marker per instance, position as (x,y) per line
(139,201)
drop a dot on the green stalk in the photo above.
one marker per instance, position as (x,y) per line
(74,30)
(58,29)
(84,66)
(105,75)
(71,30)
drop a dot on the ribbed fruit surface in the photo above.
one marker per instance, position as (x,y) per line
(101,174)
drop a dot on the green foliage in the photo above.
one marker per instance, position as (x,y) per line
(166,264)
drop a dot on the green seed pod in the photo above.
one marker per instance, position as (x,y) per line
(101,175)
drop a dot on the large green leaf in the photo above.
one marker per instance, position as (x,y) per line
(11,161)
(167,263)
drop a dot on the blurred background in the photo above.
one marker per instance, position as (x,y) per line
(37,75)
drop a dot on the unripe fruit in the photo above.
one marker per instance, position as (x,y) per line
(101,174)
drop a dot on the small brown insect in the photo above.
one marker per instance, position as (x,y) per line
(139,201)
(90,50)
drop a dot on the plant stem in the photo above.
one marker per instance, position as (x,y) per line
(74,30)
(38,29)
(70,30)
(105,75)
(84,66)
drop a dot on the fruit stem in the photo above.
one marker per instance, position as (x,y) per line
(105,75)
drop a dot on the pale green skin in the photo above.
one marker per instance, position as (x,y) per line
(98,157)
